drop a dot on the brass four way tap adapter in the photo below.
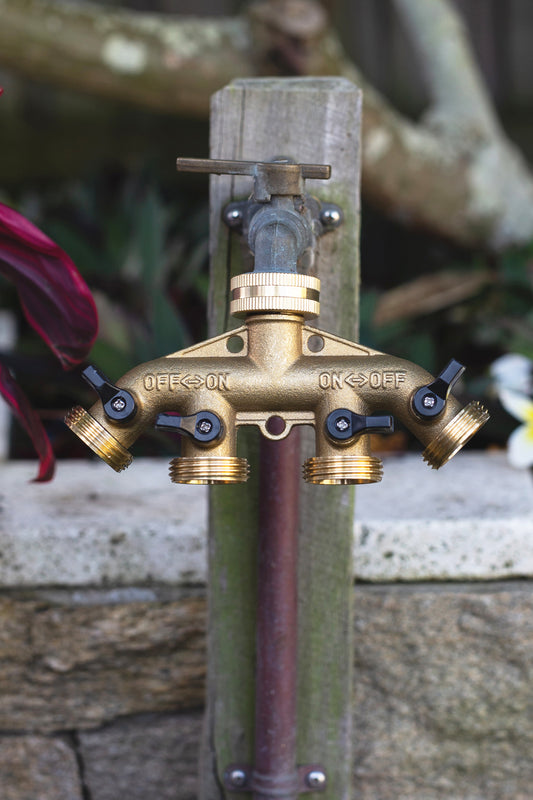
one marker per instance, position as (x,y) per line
(276,371)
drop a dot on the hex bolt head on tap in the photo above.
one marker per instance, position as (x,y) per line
(331,216)
(233,215)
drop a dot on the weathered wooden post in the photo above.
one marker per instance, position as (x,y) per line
(280,650)
(312,120)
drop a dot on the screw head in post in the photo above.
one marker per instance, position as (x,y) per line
(316,779)
(237,777)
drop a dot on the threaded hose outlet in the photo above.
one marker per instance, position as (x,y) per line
(343,469)
(456,434)
(209,469)
(98,438)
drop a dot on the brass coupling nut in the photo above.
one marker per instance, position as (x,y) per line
(98,438)
(266,292)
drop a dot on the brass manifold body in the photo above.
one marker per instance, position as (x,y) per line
(276,372)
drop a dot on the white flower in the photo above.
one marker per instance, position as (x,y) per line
(512,371)
(520,444)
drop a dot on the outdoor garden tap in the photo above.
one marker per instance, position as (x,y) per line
(276,371)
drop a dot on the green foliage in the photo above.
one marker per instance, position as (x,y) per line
(496,320)
(146,269)
(143,250)
(403,338)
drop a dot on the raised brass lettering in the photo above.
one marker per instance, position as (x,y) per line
(377,379)
(173,381)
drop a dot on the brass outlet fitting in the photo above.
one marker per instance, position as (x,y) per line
(343,469)
(455,435)
(209,469)
(275,365)
(98,439)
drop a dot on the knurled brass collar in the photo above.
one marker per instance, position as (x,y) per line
(266,292)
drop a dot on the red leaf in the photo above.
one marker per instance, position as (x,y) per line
(54,296)
(57,304)
(28,417)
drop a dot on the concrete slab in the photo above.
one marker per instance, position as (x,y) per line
(471,520)
(93,527)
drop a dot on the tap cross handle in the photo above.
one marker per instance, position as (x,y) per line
(220,166)
(279,177)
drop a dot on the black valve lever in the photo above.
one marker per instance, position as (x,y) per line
(118,404)
(343,424)
(429,401)
(203,427)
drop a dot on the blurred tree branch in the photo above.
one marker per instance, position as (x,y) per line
(454,172)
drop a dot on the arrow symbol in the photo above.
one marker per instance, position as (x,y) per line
(192,381)
(356,380)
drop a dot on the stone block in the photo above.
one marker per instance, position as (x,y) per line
(38,768)
(443,703)
(443,707)
(66,665)
(147,756)
(470,520)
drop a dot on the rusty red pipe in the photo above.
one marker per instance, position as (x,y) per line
(275,773)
